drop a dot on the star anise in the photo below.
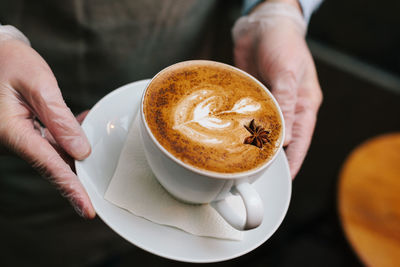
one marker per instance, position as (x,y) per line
(259,136)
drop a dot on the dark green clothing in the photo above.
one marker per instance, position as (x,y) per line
(93,47)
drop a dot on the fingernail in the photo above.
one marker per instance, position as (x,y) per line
(84,212)
(80,148)
(78,206)
(90,213)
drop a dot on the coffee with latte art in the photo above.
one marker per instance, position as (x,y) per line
(198,110)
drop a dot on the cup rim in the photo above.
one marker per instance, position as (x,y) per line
(203,172)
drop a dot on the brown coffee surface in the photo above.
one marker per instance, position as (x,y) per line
(197,111)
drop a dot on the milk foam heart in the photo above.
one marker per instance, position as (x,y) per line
(200,116)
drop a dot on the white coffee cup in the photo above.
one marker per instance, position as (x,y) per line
(195,186)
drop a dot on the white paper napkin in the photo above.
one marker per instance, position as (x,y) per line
(135,188)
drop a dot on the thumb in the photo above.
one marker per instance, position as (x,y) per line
(284,89)
(44,97)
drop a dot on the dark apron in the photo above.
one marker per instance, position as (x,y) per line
(93,47)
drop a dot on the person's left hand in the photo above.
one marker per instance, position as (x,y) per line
(275,52)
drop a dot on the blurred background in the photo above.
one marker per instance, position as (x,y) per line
(355,46)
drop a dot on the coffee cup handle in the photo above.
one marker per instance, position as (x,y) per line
(252,203)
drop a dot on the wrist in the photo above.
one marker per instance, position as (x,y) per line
(294,3)
(270,11)
(8,32)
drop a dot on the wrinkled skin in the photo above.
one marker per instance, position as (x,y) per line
(276,53)
(28,89)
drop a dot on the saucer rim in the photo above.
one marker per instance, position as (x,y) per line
(141,85)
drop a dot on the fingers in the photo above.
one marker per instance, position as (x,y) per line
(303,129)
(27,88)
(22,138)
(284,63)
(243,54)
(67,158)
(81,116)
(307,107)
(47,135)
(46,101)
(39,89)
(284,89)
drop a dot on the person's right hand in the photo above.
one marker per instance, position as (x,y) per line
(29,90)
(270,44)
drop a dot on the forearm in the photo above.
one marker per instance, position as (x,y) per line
(307,7)
(294,3)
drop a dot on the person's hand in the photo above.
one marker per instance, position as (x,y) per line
(28,93)
(270,45)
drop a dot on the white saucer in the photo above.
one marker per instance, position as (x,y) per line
(106,126)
